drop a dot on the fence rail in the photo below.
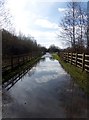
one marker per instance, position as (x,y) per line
(79,60)
(11,62)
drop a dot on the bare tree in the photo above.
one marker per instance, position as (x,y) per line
(88,24)
(5,16)
(81,26)
(74,24)
(69,22)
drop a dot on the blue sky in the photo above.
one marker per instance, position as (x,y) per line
(39,19)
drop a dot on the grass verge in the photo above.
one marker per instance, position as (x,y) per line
(81,78)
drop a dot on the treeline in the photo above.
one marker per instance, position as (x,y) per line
(17,45)
(53,49)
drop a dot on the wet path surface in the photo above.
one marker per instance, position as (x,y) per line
(46,91)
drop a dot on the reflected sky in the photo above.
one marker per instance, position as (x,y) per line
(46,70)
(46,91)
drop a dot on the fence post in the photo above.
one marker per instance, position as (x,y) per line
(83,61)
(11,62)
(76,59)
(71,58)
(64,57)
(68,57)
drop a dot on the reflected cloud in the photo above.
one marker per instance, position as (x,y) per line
(50,70)
(47,78)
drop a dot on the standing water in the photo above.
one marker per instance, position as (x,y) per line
(45,91)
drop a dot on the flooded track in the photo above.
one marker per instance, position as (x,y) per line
(45,91)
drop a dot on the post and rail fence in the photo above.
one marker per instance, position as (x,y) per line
(11,62)
(79,60)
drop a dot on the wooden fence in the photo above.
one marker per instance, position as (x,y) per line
(11,62)
(79,60)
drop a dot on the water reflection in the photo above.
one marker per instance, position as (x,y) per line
(46,91)
(51,58)
(42,59)
(29,69)
(74,101)
(10,83)
(31,72)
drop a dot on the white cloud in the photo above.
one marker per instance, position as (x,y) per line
(28,21)
(61,9)
(47,38)
(46,24)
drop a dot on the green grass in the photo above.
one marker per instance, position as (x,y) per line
(10,73)
(81,78)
